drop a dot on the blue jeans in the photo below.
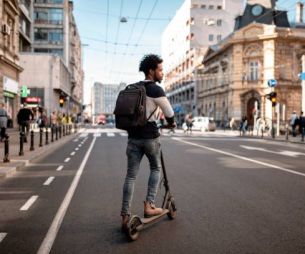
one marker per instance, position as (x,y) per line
(136,148)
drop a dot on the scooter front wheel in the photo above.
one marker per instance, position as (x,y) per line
(132,231)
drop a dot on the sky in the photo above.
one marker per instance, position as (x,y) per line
(112,49)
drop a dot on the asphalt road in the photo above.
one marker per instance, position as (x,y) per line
(234,195)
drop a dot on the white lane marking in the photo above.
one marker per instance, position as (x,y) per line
(2,236)
(80,145)
(286,153)
(49,239)
(76,149)
(97,134)
(28,203)
(60,168)
(72,154)
(83,135)
(110,134)
(75,140)
(123,134)
(67,159)
(241,157)
(49,180)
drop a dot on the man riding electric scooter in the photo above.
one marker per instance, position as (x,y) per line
(145,140)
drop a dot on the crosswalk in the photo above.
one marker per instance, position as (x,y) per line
(112,132)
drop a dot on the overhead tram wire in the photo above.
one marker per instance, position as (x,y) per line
(107,24)
(145,25)
(130,36)
(116,41)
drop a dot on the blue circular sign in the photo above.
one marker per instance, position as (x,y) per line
(272,82)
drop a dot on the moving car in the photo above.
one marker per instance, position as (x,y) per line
(203,123)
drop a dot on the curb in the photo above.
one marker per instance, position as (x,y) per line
(17,165)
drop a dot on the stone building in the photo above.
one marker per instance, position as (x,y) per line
(197,25)
(9,56)
(234,80)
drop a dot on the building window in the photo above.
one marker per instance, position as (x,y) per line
(253,75)
(195,6)
(203,6)
(211,7)
(219,37)
(219,7)
(219,22)
(211,37)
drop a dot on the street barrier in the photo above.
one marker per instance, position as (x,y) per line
(32,141)
(56,132)
(47,136)
(21,143)
(6,149)
(40,137)
(52,133)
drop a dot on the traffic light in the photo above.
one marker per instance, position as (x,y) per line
(272,98)
(61,101)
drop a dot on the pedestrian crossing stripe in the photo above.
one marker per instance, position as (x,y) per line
(97,134)
(110,134)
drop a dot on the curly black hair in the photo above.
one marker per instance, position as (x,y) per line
(149,62)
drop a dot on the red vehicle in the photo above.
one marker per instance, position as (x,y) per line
(101,119)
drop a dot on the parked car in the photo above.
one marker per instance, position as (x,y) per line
(203,123)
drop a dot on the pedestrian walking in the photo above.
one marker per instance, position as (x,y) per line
(24,117)
(3,121)
(302,125)
(232,124)
(53,119)
(145,140)
(293,123)
(189,122)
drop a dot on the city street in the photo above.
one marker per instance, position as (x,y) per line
(233,195)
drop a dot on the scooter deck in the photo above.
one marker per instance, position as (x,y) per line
(148,220)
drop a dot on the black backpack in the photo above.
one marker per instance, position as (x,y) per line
(130,108)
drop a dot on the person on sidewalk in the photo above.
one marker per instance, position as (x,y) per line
(302,125)
(24,117)
(293,123)
(145,140)
(3,121)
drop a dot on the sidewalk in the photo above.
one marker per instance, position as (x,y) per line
(280,138)
(16,161)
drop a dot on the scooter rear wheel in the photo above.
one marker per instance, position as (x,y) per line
(132,231)
(172,210)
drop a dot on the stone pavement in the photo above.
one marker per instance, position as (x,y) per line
(17,161)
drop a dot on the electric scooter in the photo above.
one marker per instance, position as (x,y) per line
(136,223)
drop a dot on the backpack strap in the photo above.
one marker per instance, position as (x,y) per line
(152,113)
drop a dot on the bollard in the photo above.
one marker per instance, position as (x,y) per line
(32,141)
(47,136)
(21,143)
(40,137)
(6,149)
(60,129)
(56,132)
(303,132)
(52,133)
(75,128)
(64,130)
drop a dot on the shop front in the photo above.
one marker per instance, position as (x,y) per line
(10,95)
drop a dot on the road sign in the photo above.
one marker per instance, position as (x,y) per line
(272,82)
(302,76)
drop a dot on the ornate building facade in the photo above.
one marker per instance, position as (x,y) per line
(234,81)
(9,55)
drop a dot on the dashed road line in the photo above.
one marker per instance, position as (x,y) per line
(67,159)
(60,168)
(76,149)
(49,180)
(2,236)
(110,134)
(72,154)
(49,239)
(28,203)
